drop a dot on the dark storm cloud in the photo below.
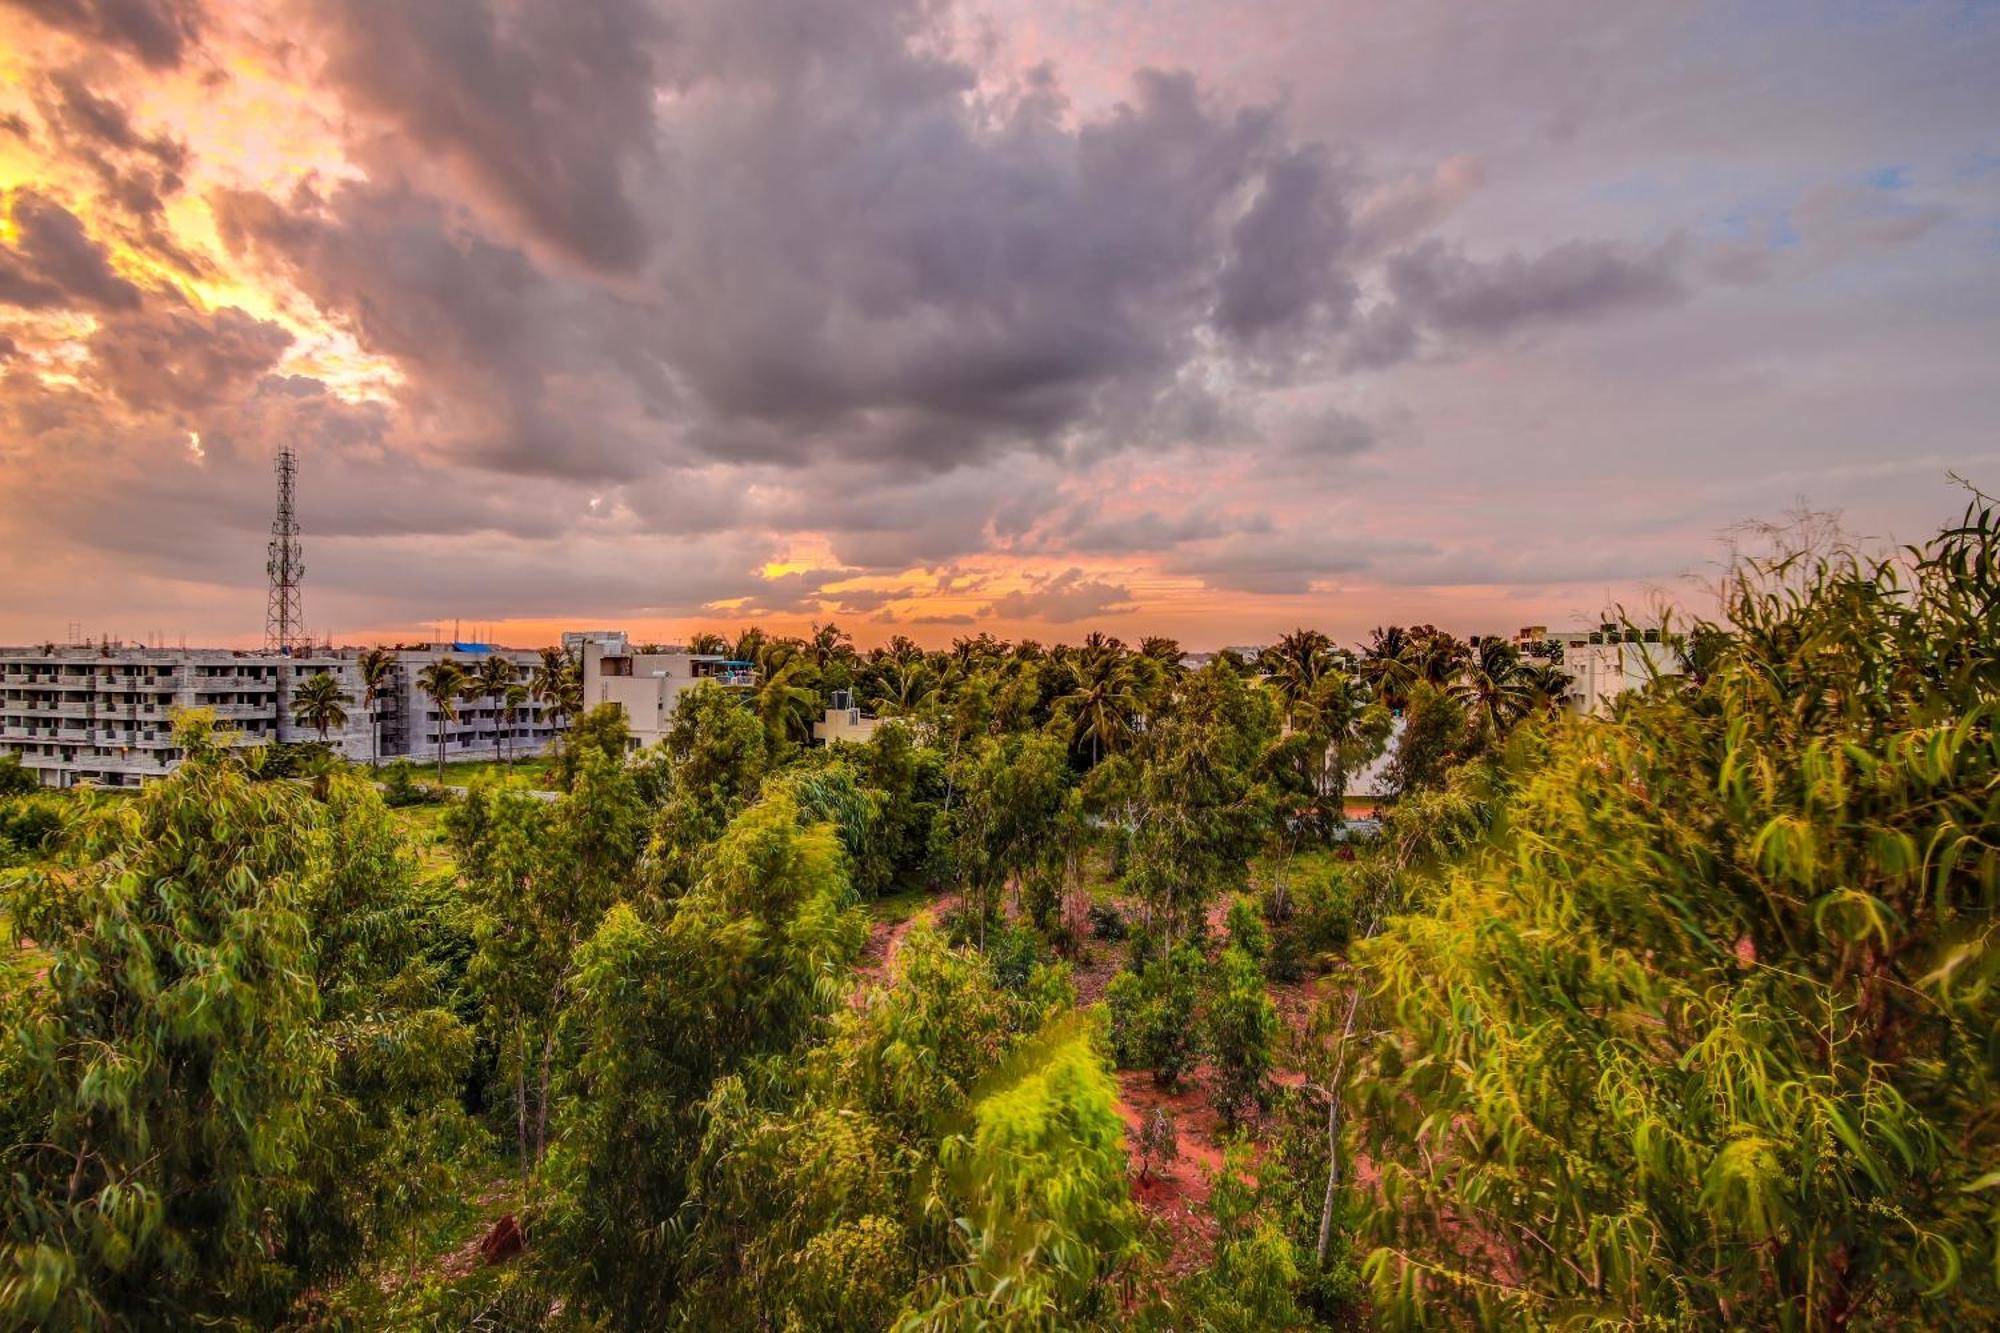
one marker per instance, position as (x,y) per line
(1282,252)
(542,107)
(158,32)
(55,263)
(1458,295)
(183,358)
(137,170)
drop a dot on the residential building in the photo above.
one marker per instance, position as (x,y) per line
(646,686)
(103,713)
(1603,663)
(844,721)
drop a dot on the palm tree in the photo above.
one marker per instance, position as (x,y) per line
(708,644)
(555,683)
(787,694)
(1386,665)
(378,672)
(513,702)
(903,688)
(1494,687)
(1296,664)
(491,680)
(1101,702)
(829,644)
(442,681)
(320,703)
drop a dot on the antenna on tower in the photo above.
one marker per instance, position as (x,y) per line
(284,615)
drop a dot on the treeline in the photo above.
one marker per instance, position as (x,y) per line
(1680,1017)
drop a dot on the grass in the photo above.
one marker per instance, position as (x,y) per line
(461,772)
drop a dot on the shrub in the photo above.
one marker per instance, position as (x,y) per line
(1153,1015)
(400,787)
(1107,922)
(1246,928)
(1159,1142)
(1240,1024)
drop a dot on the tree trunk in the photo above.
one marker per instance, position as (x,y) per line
(521,1100)
(542,1104)
(1333,1127)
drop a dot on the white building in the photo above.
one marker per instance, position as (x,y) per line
(646,686)
(845,721)
(1605,662)
(104,713)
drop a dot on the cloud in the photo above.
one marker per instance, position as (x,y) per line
(1063,599)
(138,171)
(55,263)
(158,32)
(1287,563)
(1455,295)
(184,359)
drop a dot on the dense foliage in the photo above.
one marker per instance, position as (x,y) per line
(1072,999)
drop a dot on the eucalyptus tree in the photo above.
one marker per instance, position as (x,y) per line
(744,967)
(1704,1036)
(234,1075)
(321,704)
(1012,796)
(442,682)
(378,668)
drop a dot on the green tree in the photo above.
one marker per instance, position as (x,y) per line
(490,680)
(321,704)
(746,965)
(1012,795)
(1202,809)
(1703,1034)
(15,780)
(1240,1028)
(719,758)
(378,668)
(1047,1224)
(225,1065)
(442,682)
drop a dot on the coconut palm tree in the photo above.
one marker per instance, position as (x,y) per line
(555,682)
(513,703)
(708,643)
(1101,702)
(1494,687)
(442,682)
(320,703)
(378,674)
(786,697)
(490,681)
(903,688)
(1296,664)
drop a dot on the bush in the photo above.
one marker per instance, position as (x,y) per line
(14,779)
(1246,928)
(1107,922)
(400,787)
(1153,1015)
(1159,1142)
(1240,1024)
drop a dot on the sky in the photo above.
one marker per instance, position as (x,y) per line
(1182,317)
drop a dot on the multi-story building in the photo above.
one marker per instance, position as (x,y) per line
(646,686)
(104,713)
(1603,663)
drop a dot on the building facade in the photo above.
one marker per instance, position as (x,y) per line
(103,713)
(646,686)
(1603,663)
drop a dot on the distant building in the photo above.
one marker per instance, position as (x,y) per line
(104,713)
(646,686)
(612,641)
(844,721)
(1603,663)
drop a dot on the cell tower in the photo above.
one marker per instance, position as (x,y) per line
(284,616)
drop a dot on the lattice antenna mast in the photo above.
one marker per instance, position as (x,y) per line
(284,615)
